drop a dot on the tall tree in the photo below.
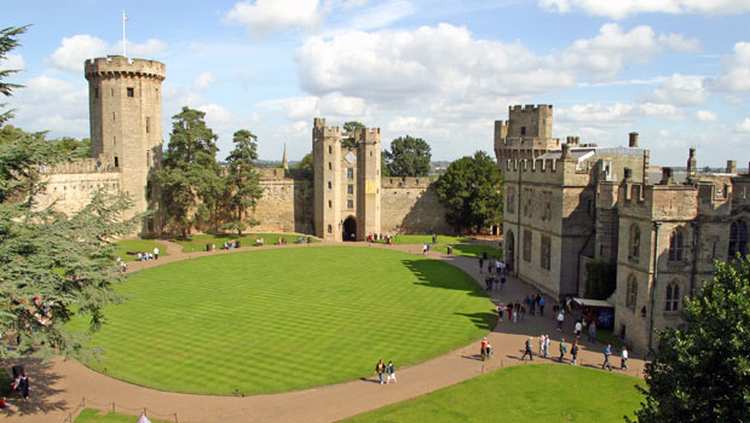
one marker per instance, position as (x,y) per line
(190,178)
(470,190)
(8,41)
(408,156)
(74,147)
(349,129)
(243,185)
(52,266)
(701,372)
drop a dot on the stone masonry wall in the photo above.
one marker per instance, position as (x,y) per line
(410,205)
(286,206)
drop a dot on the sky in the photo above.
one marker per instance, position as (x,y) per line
(676,71)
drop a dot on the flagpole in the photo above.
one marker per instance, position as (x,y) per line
(124,39)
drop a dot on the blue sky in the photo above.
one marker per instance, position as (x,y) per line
(677,71)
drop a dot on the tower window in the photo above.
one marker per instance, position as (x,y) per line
(114,140)
(349,204)
(117,162)
(350,189)
(330,204)
(113,116)
(330,229)
(523,131)
(329,185)
(148,124)
(330,150)
(349,173)
(330,166)
(112,92)
(131,92)
(96,92)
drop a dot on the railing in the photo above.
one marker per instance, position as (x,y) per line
(115,408)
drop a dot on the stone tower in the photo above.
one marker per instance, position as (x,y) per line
(125,118)
(327,172)
(368,182)
(526,134)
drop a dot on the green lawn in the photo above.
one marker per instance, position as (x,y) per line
(283,319)
(198,242)
(137,245)
(527,393)
(95,416)
(462,246)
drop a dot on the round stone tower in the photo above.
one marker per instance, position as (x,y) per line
(125,116)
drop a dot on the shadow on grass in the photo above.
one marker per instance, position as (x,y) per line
(41,380)
(484,320)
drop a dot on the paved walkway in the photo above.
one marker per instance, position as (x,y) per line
(60,386)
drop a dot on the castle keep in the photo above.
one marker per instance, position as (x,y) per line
(568,204)
(347,198)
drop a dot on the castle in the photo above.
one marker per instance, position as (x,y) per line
(570,204)
(347,198)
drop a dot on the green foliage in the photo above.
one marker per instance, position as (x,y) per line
(350,128)
(701,373)
(190,179)
(22,156)
(408,156)
(601,279)
(243,188)
(8,41)
(532,393)
(89,415)
(304,168)
(470,190)
(73,147)
(267,314)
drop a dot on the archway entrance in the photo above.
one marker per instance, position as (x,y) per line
(350,229)
(510,252)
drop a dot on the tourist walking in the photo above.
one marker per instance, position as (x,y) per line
(574,352)
(21,385)
(541,345)
(483,348)
(425,248)
(390,370)
(624,358)
(541,304)
(560,320)
(527,350)
(578,328)
(380,370)
(481,265)
(563,350)
(502,282)
(607,353)
(500,311)
(592,331)
(546,346)
(509,309)
(156,253)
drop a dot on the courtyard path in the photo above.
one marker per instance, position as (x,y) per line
(60,386)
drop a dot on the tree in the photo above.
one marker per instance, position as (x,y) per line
(190,179)
(74,147)
(243,184)
(52,266)
(701,373)
(304,168)
(350,128)
(470,190)
(408,156)
(8,41)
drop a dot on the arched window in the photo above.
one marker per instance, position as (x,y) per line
(634,250)
(676,246)
(738,239)
(673,297)
(631,295)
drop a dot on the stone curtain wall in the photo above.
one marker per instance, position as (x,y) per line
(286,206)
(410,205)
(70,192)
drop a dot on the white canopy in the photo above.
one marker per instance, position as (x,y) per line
(588,302)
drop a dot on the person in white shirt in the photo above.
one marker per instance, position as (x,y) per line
(560,320)
(579,328)
(624,358)
(156,253)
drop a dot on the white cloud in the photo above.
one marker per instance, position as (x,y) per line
(382,15)
(619,9)
(608,52)
(659,110)
(73,51)
(744,125)
(595,113)
(13,62)
(705,116)
(47,103)
(306,108)
(216,115)
(736,76)
(203,80)
(263,16)
(682,90)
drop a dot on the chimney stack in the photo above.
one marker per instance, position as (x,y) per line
(731,166)
(633,140)
(565,151)
(628,173)
(692,165)
(666,176)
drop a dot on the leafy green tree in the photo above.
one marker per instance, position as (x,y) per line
(304,167)
(51,265)
(470,190)
(243,184)
(408,156)
(190,179)
(701,373)
(8,41)
(74,147)
(349,129)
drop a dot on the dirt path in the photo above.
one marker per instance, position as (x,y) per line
(60,386)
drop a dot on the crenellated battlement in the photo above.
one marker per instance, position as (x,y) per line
(88,165)
(406,182)
(123,67)
(322,132)
(530,108)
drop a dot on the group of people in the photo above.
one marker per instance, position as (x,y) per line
(19,385)
(517,310)
(148,255)
(544,351)
(386,372)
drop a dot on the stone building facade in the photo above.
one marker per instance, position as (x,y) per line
(567,204)
(343,201)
